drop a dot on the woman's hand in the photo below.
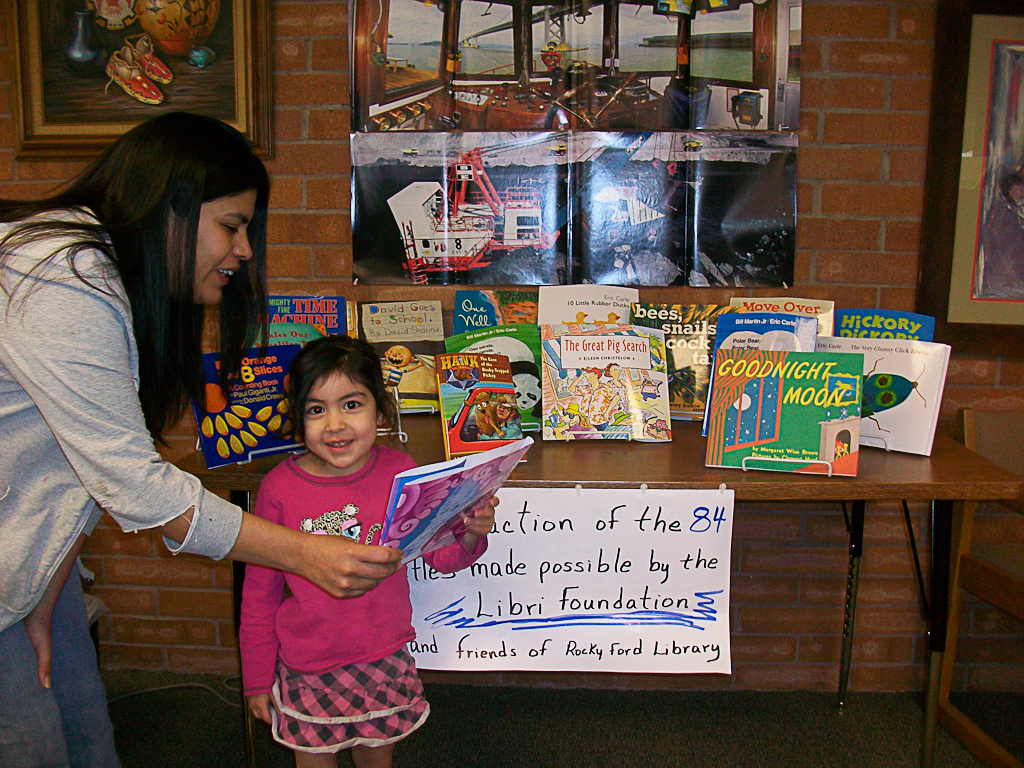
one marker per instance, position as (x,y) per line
(343,568)
(259,705)
(479,522)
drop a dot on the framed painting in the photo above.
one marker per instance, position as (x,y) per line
(972,247)
(86,71)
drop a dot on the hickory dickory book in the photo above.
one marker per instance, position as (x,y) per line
(785,411)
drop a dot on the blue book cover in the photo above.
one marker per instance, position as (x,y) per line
(883,324)
(473,310)
(762,330)
(247,420)
(325,313)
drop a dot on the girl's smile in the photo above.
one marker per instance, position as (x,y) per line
(340,424)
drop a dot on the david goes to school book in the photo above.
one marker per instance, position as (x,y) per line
(785,411)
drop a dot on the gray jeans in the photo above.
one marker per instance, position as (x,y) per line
(68,724)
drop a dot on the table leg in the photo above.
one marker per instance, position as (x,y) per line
(241,499)
(852,580)
(942,534)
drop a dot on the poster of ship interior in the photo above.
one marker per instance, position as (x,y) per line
(700,209)
(520,65)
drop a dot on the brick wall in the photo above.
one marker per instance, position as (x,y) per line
(866,91)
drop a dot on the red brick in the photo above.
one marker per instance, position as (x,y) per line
(866,649)
(41,170)
(915,23)
(803,677)
(18,190)
(126,600)
(163,631)
(291,54)
(872,199)
(851,234)
(223,572)
(881,620)
(804,198)
(310,159)
(876,128)
(179,572)
(971,370)
(332,262)
(194,603)
(333,123)
(212,661)
(5,95)
(802,265)
(996,524)
(901,677)
(825,162)
(901,299)
(853,296)
(987,620)
(881,57)
(902,236)
(328,193)
(808,127)
(286,192)
(672,682)
(330,53)
(288,262)
(810,58)
(996,678)
(767,648)
(907,165)
(315,229)
(288,125)
(790,619)
(847,21)
(1011,372)
(313,88)
(226,636)
(119,656)
(110,541)
(897,559)
(763,589)
(766,527)
(307,20)
(863,267)
(911,93)
(990,650)
(797,560)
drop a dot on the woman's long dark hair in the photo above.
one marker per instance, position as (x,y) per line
(146,192)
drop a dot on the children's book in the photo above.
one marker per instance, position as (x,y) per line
(291,333)
(884,324)
(427,504)
(487,308)
(478,403)
(604,383)
(785,411)
(325,313)
(820,308)
(247,420)
(584,304)
(521,345)
(762,330)
(902,390)
(689,339)
(407,335)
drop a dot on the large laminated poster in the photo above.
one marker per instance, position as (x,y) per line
(511,65)
(588,580)
(699,209)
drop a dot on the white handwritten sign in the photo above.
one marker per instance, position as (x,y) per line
(589,580)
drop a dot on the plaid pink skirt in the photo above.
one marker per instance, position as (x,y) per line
(370,704)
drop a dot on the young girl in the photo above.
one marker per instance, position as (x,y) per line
(338,670)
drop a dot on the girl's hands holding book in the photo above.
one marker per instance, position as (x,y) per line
(479,522)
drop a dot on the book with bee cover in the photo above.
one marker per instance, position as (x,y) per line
(248,420)
(785,411)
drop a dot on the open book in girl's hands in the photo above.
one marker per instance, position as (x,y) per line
(428,504)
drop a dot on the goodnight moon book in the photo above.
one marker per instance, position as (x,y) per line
(786,411)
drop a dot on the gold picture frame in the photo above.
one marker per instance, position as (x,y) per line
(978,306)
(69,102)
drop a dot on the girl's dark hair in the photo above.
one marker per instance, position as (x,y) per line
(326,357)
(146,192)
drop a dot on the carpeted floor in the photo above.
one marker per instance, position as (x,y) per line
(477,727)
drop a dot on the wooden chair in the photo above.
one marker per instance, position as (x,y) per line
(992,572)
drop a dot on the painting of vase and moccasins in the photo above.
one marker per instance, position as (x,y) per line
(99,63)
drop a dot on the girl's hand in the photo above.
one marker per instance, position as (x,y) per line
(479,522)
(259,705)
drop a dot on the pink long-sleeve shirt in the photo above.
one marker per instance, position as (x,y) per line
(311,631)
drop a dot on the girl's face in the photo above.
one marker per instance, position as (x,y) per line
(340,421)
(222,244)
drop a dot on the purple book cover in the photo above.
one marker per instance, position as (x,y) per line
(426,513)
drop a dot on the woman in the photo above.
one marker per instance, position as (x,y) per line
(103,292)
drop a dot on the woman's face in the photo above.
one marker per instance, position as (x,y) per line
(222,244)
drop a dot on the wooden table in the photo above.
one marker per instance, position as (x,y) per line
(951,473)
